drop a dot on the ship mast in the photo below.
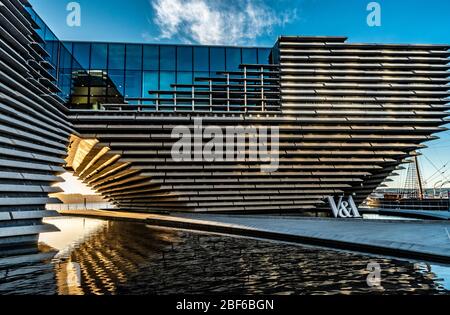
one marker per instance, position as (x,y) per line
(419,178)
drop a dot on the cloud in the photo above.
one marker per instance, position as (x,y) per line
(230,22)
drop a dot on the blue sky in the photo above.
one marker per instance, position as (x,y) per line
(258,23)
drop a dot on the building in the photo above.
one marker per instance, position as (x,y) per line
(346,116)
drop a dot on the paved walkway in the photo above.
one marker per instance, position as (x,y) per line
(424,240)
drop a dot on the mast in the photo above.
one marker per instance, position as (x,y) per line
(419,178)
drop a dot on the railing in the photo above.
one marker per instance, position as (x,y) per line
(255,88)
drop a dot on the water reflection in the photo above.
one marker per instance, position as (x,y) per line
(101,257)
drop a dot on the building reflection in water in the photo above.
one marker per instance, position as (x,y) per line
(100,257)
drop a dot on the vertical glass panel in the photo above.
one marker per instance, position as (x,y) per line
(65,58)
(116,58)
(117,77)
(81,52)
(249,55)
(150,82)
(134,57)
(99,56)
(217,59)
(133,83)
(233,59)
(184,59)
(201,59)
(151,57)
(167,58)
(166,79)
(263,55)
(184,77)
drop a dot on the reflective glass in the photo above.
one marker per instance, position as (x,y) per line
(249,55)
(233,59)
(166,79)
(167,58)
(184,59)
(117,77)
(263,55)
(201,59)
(116,56)
(99,56)
(184,77)
(150,82)
(81,52)
(134,57)
(133,83)
(217,59)
(151,57)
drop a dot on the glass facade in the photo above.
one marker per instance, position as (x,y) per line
(91,73)
(136,69)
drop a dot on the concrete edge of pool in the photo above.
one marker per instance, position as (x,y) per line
(421,240)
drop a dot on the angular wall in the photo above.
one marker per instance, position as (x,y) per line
(34,129)
(349,115)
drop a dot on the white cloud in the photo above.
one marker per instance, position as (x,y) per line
(229,22)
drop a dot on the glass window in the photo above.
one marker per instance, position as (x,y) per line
(65,58)
(133,83)
(233,59)
(201,59)
(117,77)
(116,58)
(166,79)
(184,77)
(151,57)
(167,58)
(134,57)
(217,59)
(184,59)
(263,55)
(249,55)
(81,52)
(99,56)
(150,82)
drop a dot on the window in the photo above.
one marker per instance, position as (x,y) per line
(184,77)
(151,57)
(150,82)
(99,56)
(217,59)
(233,59)
(263,55)
(201,59)
(249,55)
(134,57)
(133,83)
(116,56)
(166,79)
(167,58)
(184,58)
(117,77)
(81,52)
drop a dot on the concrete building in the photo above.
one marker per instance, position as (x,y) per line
(346,116)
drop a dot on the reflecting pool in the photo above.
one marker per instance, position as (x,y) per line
(109,257)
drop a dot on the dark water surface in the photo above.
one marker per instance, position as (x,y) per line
(107,257)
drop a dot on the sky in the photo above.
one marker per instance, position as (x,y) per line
(258,23)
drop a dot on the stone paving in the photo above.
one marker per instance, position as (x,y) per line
(428,240)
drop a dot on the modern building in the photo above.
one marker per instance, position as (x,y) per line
(346,117)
